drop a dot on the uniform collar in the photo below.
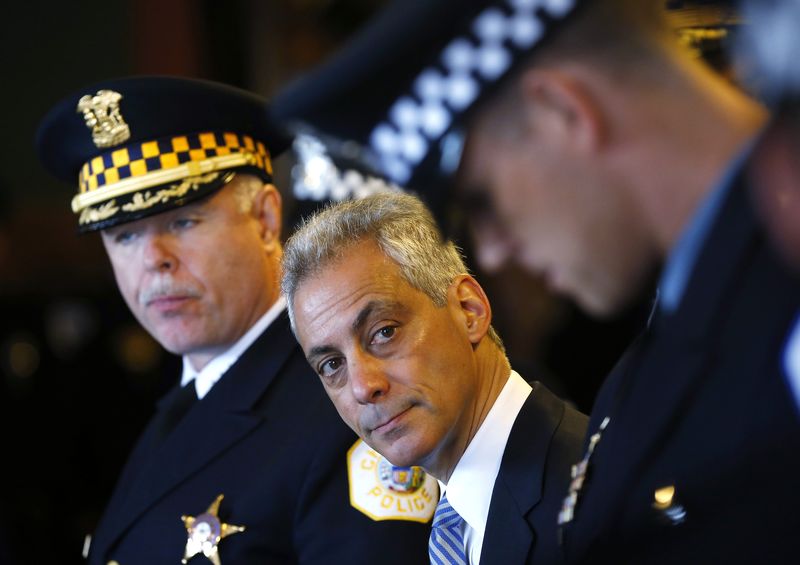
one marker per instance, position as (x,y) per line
(683,256)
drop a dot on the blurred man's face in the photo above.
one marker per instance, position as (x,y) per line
(399,369)
(196,277)
(554,211)
(768,48)
(775,176)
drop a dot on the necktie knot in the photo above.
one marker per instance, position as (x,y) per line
(446,546)
(445,516)
(179,405)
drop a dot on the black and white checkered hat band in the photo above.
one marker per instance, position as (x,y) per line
(445,90)
(317,177)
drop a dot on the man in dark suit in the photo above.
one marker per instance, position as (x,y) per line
(244,460)
(591,147)
(400,335)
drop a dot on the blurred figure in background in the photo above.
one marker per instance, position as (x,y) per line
(768,51)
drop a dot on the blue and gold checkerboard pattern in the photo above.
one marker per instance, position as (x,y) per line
(140,159)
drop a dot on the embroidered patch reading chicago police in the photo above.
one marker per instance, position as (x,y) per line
(385,492)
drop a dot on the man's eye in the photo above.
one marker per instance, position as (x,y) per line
(183,223)
(329,367)
(384,334)
(124,237)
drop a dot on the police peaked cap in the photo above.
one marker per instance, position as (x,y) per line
(411,76)
(142,145)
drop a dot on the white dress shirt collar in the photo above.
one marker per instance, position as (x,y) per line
(213,371)
(470,488)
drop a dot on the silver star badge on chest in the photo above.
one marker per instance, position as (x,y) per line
(205,531)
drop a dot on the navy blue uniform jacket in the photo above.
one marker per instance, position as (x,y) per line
(266,437)
(534,474)
(700,404)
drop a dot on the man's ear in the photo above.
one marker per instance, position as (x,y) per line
(561,106)
(267,211)
(473,306)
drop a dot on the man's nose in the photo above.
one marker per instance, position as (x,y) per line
(368,379)
(158,255)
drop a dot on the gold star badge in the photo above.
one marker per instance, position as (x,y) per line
(204,533)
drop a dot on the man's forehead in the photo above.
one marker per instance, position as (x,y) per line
(340,286)
(363,276)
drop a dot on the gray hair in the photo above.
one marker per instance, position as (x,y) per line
(398,223)
(246,190)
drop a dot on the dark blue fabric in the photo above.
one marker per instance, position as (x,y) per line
(702,407)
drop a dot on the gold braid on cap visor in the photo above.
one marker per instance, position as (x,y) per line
(152,163)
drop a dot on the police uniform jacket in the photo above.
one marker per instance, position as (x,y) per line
(268,439)
(700,459)
(534,474)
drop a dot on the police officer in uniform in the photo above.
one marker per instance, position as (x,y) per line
(244,461)
(602,155)
(768,47)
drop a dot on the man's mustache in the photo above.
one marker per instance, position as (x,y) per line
(166,286)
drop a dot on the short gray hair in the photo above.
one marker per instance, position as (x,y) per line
(398,223)
(246,190)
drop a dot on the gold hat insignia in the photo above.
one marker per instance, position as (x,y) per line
(103,117)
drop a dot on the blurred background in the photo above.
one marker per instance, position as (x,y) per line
(78,377)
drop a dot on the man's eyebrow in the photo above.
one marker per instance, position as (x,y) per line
(319,351)
(370,308)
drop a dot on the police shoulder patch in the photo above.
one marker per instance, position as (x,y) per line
(383,491)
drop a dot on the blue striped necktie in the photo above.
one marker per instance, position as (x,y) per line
(446,546)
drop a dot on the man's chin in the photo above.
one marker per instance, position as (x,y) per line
(395,455)
(177,346)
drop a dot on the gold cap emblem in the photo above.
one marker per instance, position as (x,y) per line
(102,116)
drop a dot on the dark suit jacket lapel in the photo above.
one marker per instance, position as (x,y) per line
(509,536)
(222,418)
(674,359)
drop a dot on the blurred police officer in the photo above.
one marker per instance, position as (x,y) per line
(768,49)
(244,460)
(599,153)
(400,336)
